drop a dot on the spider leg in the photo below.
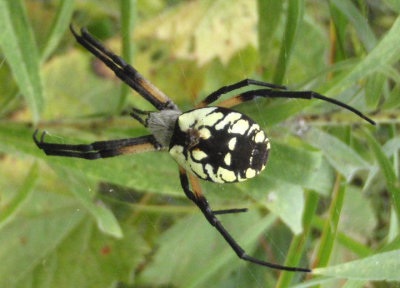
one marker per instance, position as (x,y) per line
(99,149)
(226,89)
(229,211)
(268,93)
(124,71)
(198,198)
(136,113)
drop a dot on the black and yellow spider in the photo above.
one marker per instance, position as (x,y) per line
(211,143)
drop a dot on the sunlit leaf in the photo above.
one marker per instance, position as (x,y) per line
(379,267)
(19,48)
(24,192)
(58,28)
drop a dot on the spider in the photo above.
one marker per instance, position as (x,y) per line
(213,143)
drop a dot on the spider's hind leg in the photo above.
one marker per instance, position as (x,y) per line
(198,198)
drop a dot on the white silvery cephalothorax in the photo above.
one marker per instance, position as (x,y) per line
(161,124)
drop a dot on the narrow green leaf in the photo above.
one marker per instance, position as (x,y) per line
(386,52)
(294,19)
(23,194)
(393,101)
(58,28)
(298,242)
(20,50)
(380,267)
(374,89)
(353,245)
(329,232)
(269,14)
(313,282)
(128,18)
(340,23)
(392,183)
(359,22)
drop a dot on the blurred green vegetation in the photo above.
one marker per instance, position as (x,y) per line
(330,196)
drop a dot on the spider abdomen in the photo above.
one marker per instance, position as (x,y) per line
(219,144)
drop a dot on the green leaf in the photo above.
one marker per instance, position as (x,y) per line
(24,192)
(19,47)
(290,164)
(128,18)
(329,232)
(393,101)
(288,204)
(374,88)
(59,26)
(269,14)
(202,251)
(386,52)
(359,22)
(392,183)
(88,258)
(298,242)
(294,20)
(27,240)
(105,219)
(342,157)
(379,267)
(129,171)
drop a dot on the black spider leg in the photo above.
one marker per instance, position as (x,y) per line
(205,208)
(136,113)
(99,149)
(228,211)
(268,93)
(124,71)
(214,96)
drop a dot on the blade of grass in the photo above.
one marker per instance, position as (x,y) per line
(330,228)
(269,14)
(359,22)
(295,12)
(386,52)
(338,50)
(23,194)
(58,27)
(388,172)
(348,242)
(128,18)
(298,241)
(19,48)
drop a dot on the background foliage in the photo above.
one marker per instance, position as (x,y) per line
(329,197)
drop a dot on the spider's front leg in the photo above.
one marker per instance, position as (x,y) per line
(98,149)
(198,198)
(214,96)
